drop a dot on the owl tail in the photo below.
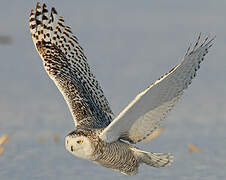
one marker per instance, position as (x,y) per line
(155,159)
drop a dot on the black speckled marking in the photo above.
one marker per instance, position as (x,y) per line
(66,64)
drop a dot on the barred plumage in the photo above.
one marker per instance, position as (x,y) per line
(67,66)
(96,138)
(119,156)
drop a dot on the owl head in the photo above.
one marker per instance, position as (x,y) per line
(79,144)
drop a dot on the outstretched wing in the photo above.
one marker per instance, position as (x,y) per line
(144,114)
(66,64)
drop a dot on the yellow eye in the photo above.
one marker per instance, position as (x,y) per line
(80,141)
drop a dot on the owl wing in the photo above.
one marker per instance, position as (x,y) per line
(65,62)
(144,114)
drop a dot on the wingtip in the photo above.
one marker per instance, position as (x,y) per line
(211,41)
(54,10)
(32,12)
(207,42)
(38,5)
(44,5)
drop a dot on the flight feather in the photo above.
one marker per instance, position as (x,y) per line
(66,64)
(144,114)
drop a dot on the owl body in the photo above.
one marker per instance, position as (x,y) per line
(99,135)
(118,155)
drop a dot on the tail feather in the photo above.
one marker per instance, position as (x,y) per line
(155,159)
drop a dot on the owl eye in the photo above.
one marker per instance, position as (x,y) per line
(80,141)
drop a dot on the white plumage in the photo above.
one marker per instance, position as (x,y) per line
(143,115)
(98,137)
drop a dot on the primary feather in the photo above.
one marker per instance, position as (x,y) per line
(67,66)
(144,114)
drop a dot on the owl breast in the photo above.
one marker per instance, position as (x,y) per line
(118,156)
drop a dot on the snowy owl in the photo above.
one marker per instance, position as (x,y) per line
(98,135)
